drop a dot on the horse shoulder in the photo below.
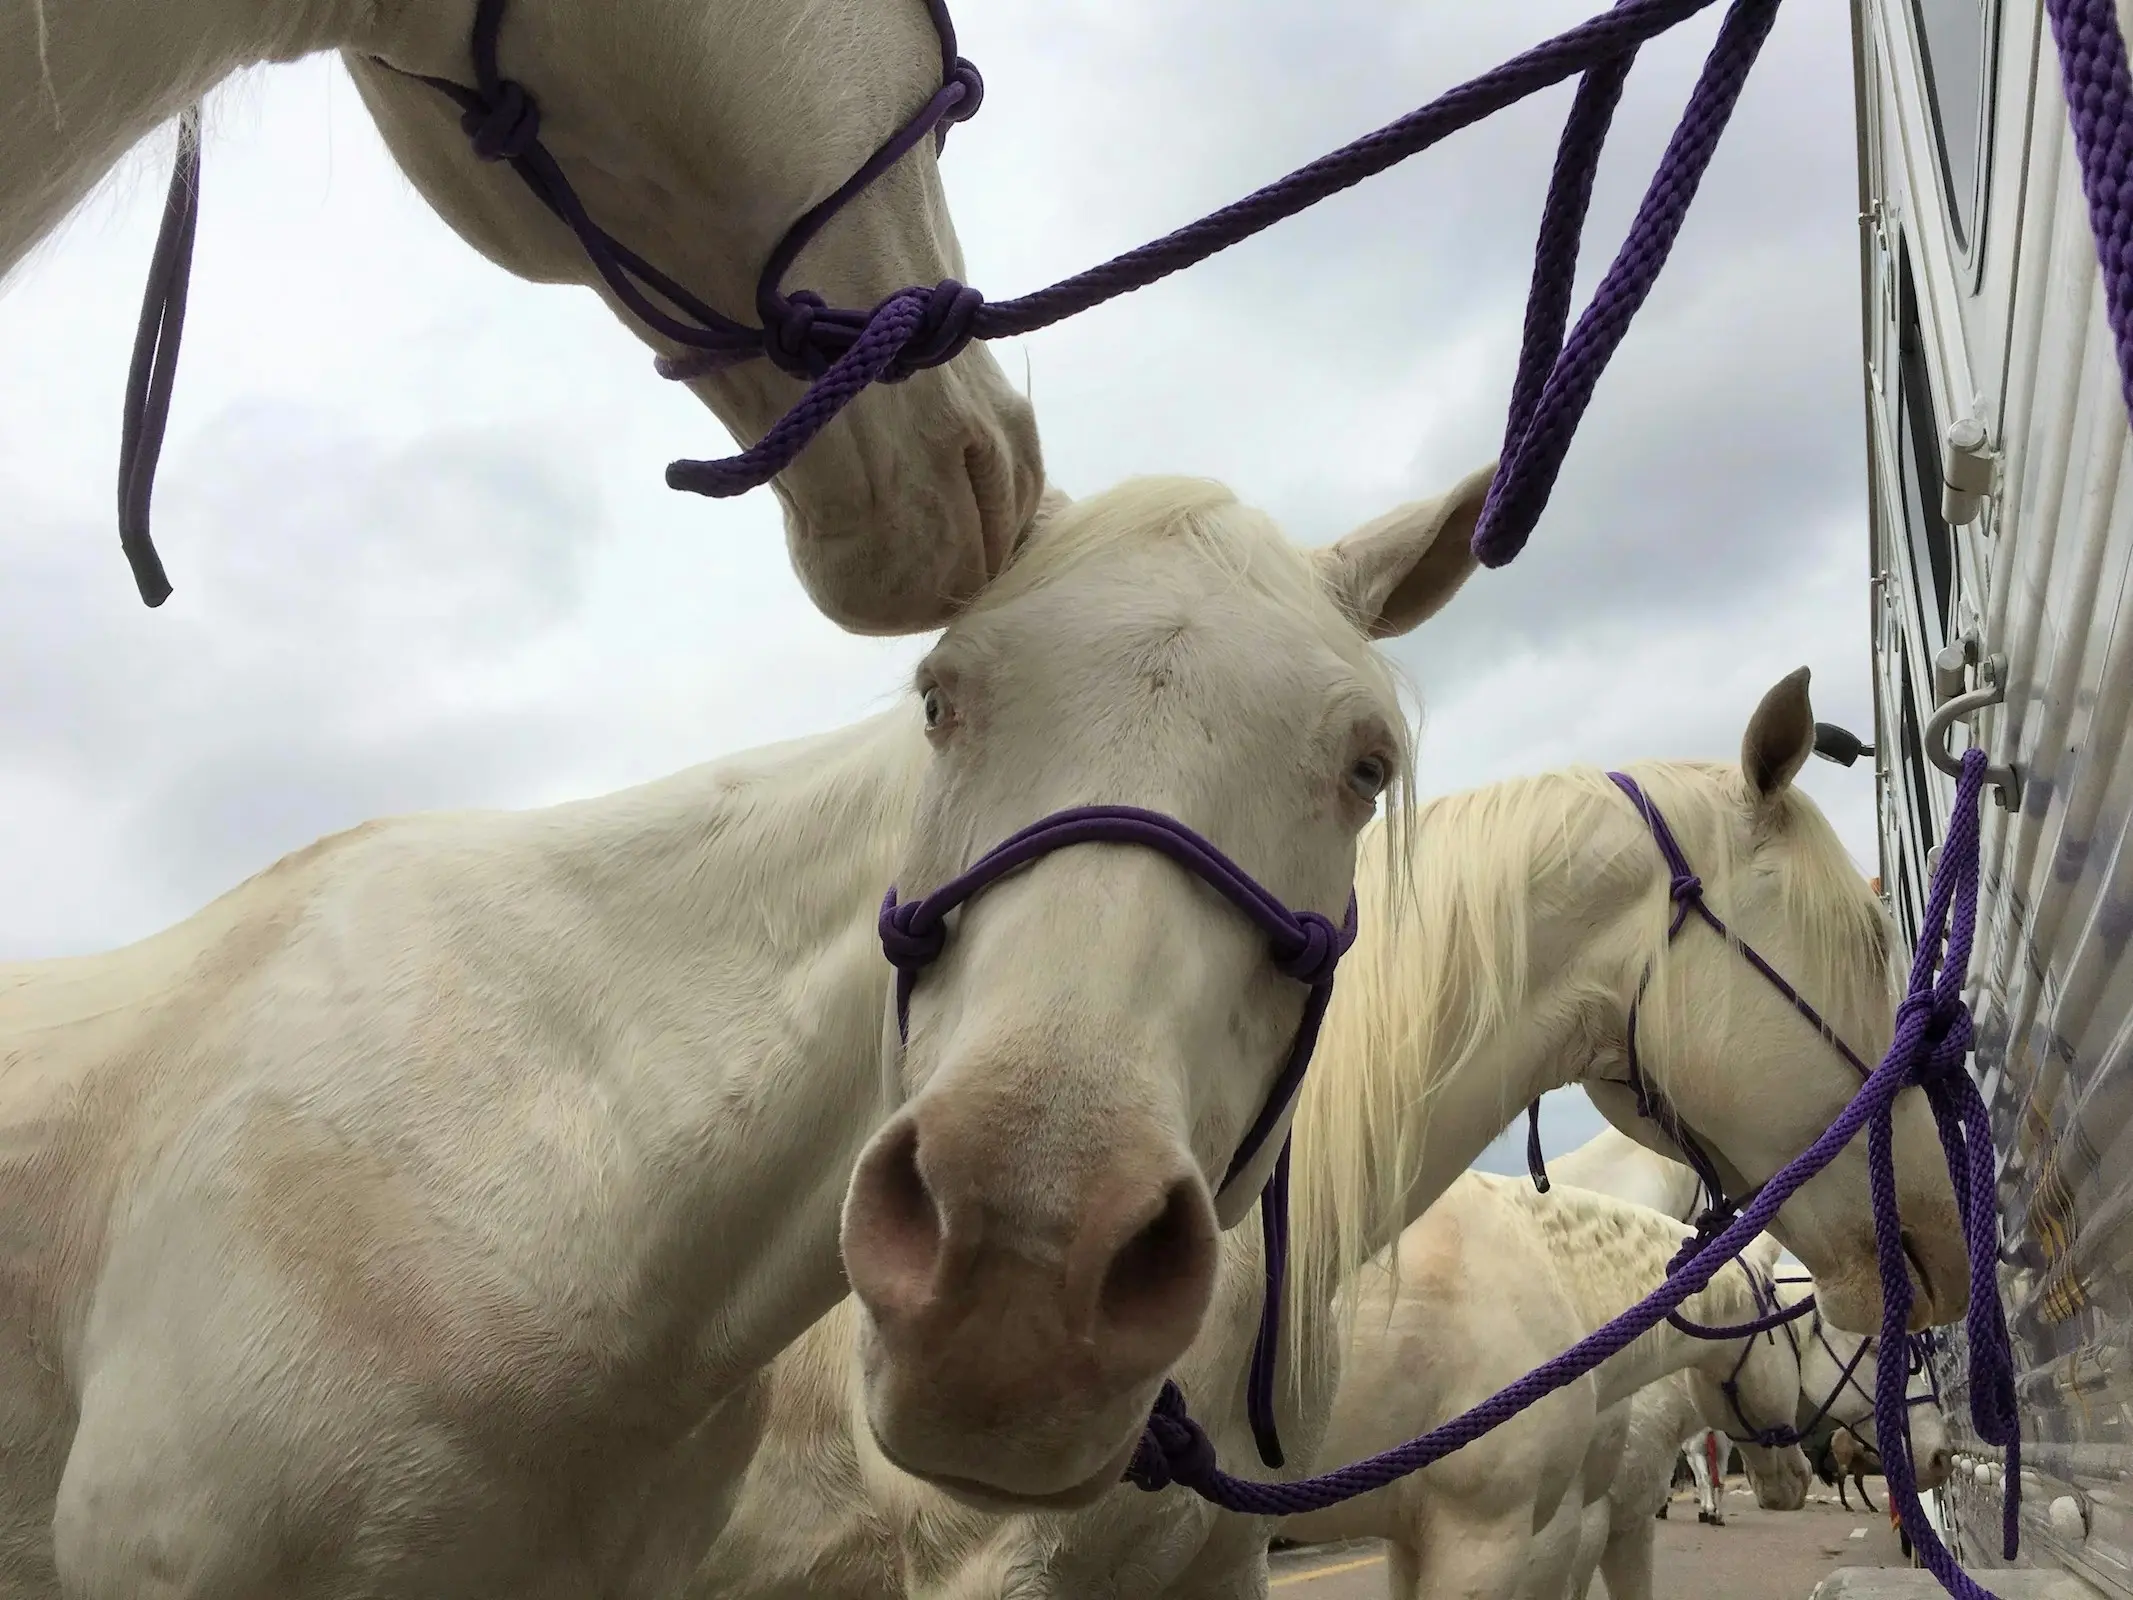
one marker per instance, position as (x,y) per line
(100,1055)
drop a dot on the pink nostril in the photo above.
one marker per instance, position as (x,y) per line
(1152,1265)
(1157,1283)
(892,1229)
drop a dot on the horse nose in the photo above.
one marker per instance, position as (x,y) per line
(1126,1268)
(1938,1465)
(1002,1300)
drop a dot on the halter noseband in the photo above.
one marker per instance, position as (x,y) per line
(1304,945)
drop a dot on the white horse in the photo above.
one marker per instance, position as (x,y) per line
(1537,907)
(1837,1380)
(1492,1281)
(1707,1451)
(1832,1381)
(694,133)
(411,1220)
(1613,1163)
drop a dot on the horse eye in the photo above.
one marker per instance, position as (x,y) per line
(1368,777)
(936,708)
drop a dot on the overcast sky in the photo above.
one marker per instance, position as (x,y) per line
(424,556)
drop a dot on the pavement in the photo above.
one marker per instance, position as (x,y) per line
(1757,1555)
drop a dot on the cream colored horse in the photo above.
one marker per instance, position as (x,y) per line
(1613,1163)
(411,1220)
(1491,1282)
(695,133)
(1618,1534)
(1537,906)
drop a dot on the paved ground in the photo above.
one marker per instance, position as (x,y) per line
(1757,1555)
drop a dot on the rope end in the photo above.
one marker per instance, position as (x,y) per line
(718,480)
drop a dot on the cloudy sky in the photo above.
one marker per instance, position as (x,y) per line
(424,557)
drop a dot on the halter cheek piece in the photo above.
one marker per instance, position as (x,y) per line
(1305,946)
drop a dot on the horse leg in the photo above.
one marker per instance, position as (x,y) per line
(1626,1563)
(1715,1453)
(1842,1497)
(1700,1477)
(1463,1558)
(1861,1481)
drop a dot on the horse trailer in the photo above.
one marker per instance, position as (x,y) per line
(2001,509)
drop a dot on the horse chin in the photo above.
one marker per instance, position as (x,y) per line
(1851,1298)
(993,1499)
(1783,1492)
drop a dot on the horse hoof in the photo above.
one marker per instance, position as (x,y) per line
(1660,1513)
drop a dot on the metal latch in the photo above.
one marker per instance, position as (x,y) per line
(1955,701)
(1966,463)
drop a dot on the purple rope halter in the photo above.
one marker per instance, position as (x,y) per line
(1928,1052)
(1773,1318)
(842,352)
(912,329)
(1305,946)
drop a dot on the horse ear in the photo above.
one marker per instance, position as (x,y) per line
(1396,572)
(1780,736)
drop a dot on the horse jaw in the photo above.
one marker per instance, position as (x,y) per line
(696,137)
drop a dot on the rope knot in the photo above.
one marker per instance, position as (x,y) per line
(1317,953)
(945,325)
(1685,887)
(910,945)
(788,338)
(964,75)
(1714,1221)
(1941,1034)
(1172,1448)
(507,127)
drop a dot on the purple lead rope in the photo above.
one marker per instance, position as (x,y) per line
(842,352)
(1928,1051)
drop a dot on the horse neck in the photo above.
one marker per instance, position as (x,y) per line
(741,895)
(1524,964)
(83,81)
(1611,1254)
(793,839)
(1613,1163)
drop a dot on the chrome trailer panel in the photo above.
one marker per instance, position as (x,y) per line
(1983,303)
